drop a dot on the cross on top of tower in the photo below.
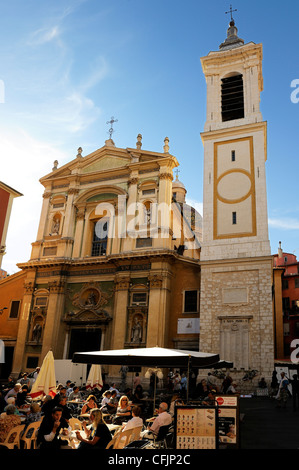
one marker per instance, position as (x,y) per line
(231,12)
(111,122)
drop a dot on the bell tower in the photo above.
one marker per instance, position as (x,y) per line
(236,263)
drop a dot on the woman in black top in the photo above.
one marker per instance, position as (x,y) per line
(98,436)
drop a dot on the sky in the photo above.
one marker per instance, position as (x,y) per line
(68,66)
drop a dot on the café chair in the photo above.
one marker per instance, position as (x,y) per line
(160,441)
(16,434)
(30,435)
(123,438)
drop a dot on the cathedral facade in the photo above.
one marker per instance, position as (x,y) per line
(120,260)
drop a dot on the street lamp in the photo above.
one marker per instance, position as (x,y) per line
(2,309)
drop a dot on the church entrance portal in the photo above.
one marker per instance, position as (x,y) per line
(84,339)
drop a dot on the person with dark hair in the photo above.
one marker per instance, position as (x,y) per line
(22,397)
(138,394)
(89,405)
(48,433)
(136,421)
(66,411)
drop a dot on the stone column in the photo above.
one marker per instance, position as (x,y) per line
(19,356)
(119,326)
(44,215)
(78,234)
(158,309)
(164,210)
(69,218)
(128,242)
(52,331)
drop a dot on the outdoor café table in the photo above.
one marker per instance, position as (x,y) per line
(85,416)
(76,405)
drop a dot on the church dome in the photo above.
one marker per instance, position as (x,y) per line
(178,190)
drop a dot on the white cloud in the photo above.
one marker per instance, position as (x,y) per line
(25,161)
(44,35)
(196,204)
(284,224)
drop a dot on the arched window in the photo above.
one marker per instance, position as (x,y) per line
(232,97)
(100,237)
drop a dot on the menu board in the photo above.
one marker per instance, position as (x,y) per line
(196,427)
(228,420)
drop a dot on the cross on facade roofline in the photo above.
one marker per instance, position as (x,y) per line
(231,12)
(111,122)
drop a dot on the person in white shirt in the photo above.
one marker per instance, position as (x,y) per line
(136,421)
(163,419)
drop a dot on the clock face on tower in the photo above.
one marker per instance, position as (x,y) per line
(234,189)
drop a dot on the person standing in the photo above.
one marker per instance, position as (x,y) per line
(283,392)
(295,391)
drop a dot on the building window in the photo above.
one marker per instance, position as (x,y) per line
(234,218)
(148,192)
(14,309)
(139,298)
(286,303)
(232,94)
(32,362)
(41,301)
(191,301)
(296,282)
(233,155)
(285,284)
(100,238)
(144,242)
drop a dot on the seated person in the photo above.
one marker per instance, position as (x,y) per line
(163,419)
(136,421)
(138,394)
(47,405)
(89,405)
(105,400)
(66,411)
(75,394)
(112,403)
(11,401)
(210,398)
(48,433)
(13,391)
(175,400)
(8,421)
(123,412)
(22,398)
(262,383)
(61,393)
(98,435)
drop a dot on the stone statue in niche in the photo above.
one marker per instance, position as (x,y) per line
(136,332)
(55,228)
(37,332)
(91,300)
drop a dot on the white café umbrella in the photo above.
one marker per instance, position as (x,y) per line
(94,379)
(45,383)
